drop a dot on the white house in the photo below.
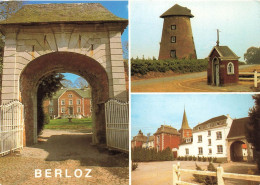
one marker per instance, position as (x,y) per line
(208,139)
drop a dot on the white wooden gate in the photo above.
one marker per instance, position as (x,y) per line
(117,124)
(11,127)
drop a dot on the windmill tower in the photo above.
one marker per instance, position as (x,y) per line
(177,40)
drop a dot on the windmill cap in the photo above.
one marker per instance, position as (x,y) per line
(177,10)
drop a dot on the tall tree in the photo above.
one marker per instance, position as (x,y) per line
(80,83)
(252,55)
(47,87)
(253,128)
(67,83)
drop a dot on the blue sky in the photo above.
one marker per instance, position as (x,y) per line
(150,111)
(238,21)
(119,8)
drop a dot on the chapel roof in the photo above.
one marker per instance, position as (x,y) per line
(185,124)
(225,53)
(140,137)
(62,13)
(177,10)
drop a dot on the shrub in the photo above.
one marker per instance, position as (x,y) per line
(190,158)
(194,158)
(46,118)
(199,178)
(134,166)
(204,159)
(214,159)
(199,158)
(186,158)
(210,159)
(211,180)
(181,158)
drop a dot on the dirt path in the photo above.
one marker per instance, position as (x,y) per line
(65,150)
(193,82)
(153,173)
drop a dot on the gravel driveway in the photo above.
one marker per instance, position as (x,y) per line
(64,151)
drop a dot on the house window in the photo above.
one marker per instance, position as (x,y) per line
(187,151)
(210,151)
(230,68)
(51,102)
(209,133)
(200,139)
(78,109)
(62,102)
(70,102)
(219,135)
(173,27)
(78,101)
(220,149)
(200,151)
(209,142)
(62,109)
(173,53)
(158,139)
(51,110)
(70,95)
(173,39)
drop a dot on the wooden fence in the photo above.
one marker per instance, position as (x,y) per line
(117,124)
(220,174)
(250,76)
(11,127)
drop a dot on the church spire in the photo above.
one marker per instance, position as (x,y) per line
(185,124)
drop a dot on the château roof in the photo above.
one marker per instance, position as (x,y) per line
(84,93)
(219,120)
(167,129)
(185,124)
(177,10)
(62,13)
(225,53)
(238,128)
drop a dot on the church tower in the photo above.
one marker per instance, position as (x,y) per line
(177,40)
(185,130)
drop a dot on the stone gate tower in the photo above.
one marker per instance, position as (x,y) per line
(177,40)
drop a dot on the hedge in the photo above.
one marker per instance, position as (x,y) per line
(140,154)
(143,66)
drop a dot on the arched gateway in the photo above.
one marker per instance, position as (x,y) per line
(84,39)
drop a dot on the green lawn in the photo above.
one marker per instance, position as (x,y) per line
(76,124)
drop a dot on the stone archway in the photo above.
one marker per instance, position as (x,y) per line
(55,62)
(88,44)
(236,151)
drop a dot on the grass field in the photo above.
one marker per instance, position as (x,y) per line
(76,124)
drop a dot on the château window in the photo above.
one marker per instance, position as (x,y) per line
(200,139)
(209,133)
(78,101)
(78,109)
(70,102)
(62,109)
(230,68)
(200,151)
(220,149)
(173,27)
(173,53)
(209,142)
(70,95)
(62,102)
(173,39)
(210,151)
(51,110)
(187,151)
(219,135)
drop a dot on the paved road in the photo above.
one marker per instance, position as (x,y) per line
(192,82)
